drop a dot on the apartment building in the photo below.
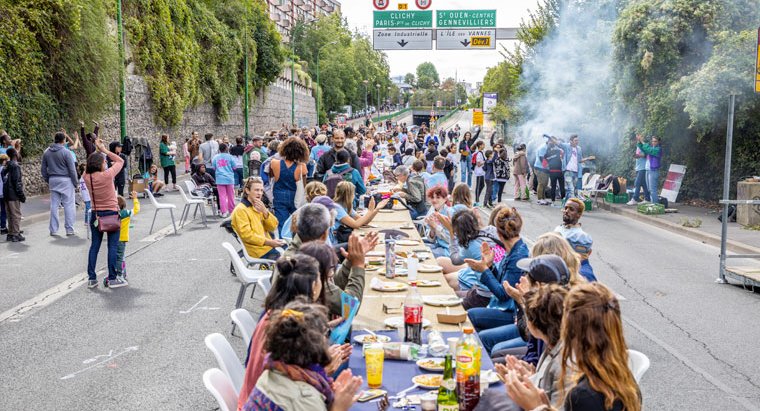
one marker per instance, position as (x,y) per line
(285,13)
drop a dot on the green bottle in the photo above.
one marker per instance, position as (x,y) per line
(447,394)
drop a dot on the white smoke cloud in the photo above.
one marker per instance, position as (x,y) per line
(569,79)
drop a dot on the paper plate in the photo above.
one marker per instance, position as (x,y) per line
(372,268)
(441,300)
(430,364)
(407,243)
(407,227)
(369,338)
(429,268)
(385,210)
(398,322)
(428,283)
(375,254)
(428,381)
(391,286)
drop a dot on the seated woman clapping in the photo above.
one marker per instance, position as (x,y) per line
(294,376)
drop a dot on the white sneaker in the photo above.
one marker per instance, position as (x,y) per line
(632,202)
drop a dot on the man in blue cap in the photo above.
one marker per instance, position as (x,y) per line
(582,243)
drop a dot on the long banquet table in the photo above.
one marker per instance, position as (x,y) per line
(398,375)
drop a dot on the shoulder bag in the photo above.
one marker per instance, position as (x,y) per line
(106,223)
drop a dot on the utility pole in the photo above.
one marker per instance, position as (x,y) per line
(122,85)
(292,90)
(378,100)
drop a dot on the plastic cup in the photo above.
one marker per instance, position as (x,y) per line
(453,341)
(374,356)
(411,266)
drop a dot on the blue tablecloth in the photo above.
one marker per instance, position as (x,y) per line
(397,375)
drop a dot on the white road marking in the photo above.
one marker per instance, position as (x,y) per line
(100,363)
(196,308)
(59,291)
(45,298)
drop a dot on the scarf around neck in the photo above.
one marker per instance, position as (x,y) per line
(314,375)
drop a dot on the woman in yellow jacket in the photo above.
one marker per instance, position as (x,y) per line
(253,223)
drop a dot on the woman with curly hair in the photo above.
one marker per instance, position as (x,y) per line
(594,359)
(286,173)
(294,376)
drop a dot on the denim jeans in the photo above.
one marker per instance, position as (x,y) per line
(641,182)
(488,318)
(571,179)
(121,251)
(272,254)
(653,180)
(466,171)
(495,190)
(500,338)
(97,238)
(3,215)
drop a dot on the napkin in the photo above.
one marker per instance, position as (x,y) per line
(437,346)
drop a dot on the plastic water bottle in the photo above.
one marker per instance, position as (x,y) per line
(390,258)
(411,266)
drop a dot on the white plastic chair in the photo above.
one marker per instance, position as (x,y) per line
(265,284)
(220,386)
(227,359)
(160,206)
(638,363)
(189,203)
(190,186)
(243,319)
(256,262)
(246,276)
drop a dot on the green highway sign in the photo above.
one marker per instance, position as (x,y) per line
(403,19)
(465,18)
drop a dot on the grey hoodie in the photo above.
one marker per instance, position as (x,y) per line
(57,162)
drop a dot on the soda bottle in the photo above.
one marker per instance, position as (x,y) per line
(468,371)
(447,395)
(413,315)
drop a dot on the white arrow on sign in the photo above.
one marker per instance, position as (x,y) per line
(404,39)
(466,39)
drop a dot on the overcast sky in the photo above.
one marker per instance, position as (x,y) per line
(471,65)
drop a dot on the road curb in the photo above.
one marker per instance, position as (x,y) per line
(701,236)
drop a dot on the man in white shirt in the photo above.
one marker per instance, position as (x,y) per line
(573,166)
(208,150)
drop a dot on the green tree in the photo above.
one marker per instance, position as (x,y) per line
(427,76)
(410,79)
(345,60)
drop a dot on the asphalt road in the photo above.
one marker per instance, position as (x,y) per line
(141,347)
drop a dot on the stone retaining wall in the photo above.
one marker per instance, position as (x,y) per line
(270,108)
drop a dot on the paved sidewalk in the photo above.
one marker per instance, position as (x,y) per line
(740,240)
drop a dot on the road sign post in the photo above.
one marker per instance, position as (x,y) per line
(477,117)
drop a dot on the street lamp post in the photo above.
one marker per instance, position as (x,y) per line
(388,98)
(319,85)
(122,85)
(378,100)
(365,82)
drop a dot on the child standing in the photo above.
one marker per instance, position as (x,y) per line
(520,171)
(489,178)
(224,165)
(85,194)
(125,216)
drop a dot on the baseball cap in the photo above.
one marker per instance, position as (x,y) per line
(547,268)
(580,241)
(321,138)
(325,201)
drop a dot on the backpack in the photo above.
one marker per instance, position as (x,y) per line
(333,179)
(501,169)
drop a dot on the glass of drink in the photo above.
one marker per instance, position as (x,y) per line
(374,356)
